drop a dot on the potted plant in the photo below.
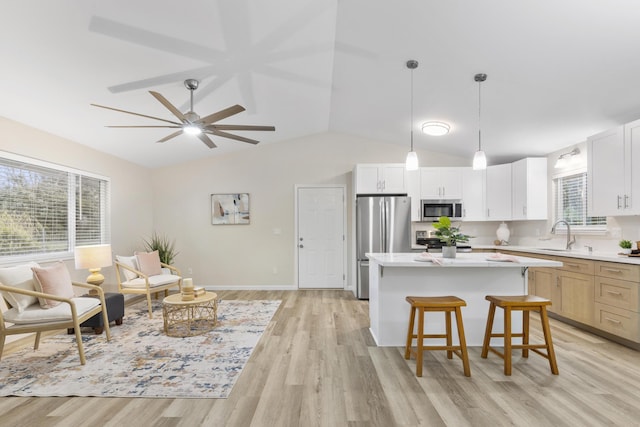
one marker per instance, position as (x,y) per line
(164,246)
(626,246)
(449,235)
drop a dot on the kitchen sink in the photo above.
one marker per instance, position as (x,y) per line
(553,249)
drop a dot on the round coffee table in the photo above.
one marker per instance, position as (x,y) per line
(188,318)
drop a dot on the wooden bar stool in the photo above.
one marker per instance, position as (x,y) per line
(524,303)
(444,304)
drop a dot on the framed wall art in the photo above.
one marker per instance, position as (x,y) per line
(230,208)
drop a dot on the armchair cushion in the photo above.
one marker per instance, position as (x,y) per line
(154,281)
(53,280)
(20,276)
(149,263)
(61,312)
(129,261)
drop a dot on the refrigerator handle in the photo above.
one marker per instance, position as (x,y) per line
(383,225)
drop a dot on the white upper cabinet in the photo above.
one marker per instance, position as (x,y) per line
(529,189)
(606,172)
(413,191)
(498,192)
(389,178)
(473,194)
(441,183)
(632,157)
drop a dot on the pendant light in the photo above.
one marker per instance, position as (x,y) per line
(479,159)
(411,163)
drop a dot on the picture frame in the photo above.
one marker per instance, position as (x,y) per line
(230,209)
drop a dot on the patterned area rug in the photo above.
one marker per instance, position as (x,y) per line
(140,360)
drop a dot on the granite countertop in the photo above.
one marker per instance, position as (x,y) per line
(595,255)
(462,260)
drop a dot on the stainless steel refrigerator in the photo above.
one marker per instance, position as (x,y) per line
(383,224)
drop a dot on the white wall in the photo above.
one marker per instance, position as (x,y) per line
(131,190)
(246,255)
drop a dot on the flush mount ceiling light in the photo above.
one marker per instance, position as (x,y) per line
(566,159)
(412,158)
(479,159)
(435,128)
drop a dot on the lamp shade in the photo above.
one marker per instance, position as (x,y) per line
(93,256)
(479,160)
(412,161)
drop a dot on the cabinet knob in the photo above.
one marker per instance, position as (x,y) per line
(301,246)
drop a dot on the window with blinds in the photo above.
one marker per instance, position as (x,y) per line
(46,210)
(570,200)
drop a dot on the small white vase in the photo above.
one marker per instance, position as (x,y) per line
(448,252)
(503,233)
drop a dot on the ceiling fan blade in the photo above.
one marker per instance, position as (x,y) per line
(222,114)
(173,135)
(168,105)
(231,136)
(171,127)
(204,138)
(136,114)
(240,127)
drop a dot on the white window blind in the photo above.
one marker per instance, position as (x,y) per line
(46,210)
(570,200)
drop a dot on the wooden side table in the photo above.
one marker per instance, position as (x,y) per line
(188,318)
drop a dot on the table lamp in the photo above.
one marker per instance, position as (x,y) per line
(93,258)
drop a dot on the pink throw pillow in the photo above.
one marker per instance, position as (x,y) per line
(54,280)
(149,263)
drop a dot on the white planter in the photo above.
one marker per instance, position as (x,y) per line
(449,252)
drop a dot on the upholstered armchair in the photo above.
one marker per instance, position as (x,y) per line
(144,274)
(33,311)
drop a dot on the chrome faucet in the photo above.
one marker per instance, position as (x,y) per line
(570,241)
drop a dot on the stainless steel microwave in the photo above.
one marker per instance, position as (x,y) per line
(431,210)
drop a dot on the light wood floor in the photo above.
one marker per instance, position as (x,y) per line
(317,364)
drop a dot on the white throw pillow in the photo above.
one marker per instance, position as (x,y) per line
(129,261)
(20,276)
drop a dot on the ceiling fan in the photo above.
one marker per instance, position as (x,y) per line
(192,124)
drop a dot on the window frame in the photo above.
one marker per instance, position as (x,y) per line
(72,174)
(599,229)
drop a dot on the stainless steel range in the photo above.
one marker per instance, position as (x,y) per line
(433,243)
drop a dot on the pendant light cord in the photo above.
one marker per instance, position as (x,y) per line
(479,116)
(412,109)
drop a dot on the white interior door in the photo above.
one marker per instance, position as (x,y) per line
(321,237)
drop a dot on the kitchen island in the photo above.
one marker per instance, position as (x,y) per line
(470,276)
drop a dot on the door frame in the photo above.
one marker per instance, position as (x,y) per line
(296,277)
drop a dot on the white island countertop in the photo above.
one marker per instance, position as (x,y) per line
(470,276)
(461,260)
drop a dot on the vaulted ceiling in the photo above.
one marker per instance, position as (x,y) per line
(558,71)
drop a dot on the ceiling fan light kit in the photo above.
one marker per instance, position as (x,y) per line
(411,163)
(434,128)
(192,124)
(479,158)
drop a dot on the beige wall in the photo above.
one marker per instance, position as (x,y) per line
(131,194)
(246,255)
